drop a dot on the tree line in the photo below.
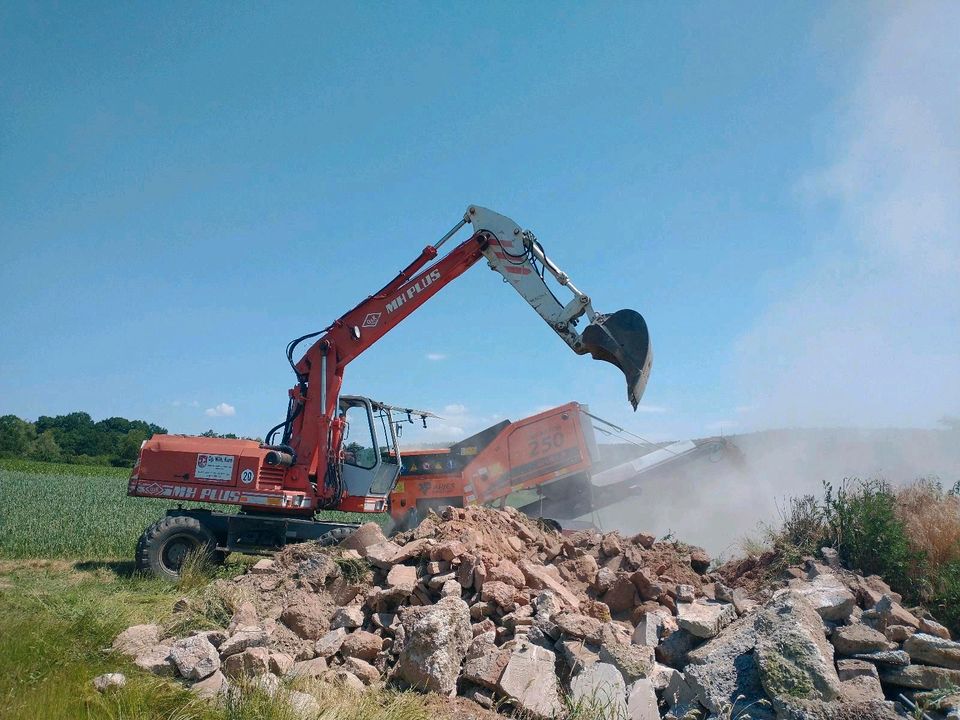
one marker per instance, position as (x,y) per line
(76,438)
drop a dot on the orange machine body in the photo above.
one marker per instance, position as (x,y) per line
(504,459)
(218,470)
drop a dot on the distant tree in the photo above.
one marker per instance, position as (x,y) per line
(45,447)
(228,436)
(75,437)
(76,434)
(130,446)
(16,435)
(114,425)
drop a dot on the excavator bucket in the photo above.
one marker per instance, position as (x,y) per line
(623,340)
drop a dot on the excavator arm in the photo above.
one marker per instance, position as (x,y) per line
(620,338)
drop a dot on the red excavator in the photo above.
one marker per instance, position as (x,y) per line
(339,452)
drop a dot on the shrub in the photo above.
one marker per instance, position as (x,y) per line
(932,520)
(910,536)
(868,532)
(804,530)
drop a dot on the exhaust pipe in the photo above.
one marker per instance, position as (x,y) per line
(622,339)
(278,457)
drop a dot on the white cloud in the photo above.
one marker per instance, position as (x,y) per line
(653,409)
(185,403)
(435,356)
(868,335)
(221,410)
(453,409)
(722,425)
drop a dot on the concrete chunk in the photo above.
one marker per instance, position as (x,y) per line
(437,646)
(921,677)
(887,657)
(384,554)
(933,650)
(648,630)
(705,619)
(540,577)
(402,577)
(156,660)
(642,701)
(195,657)
(857,639)
(102,683)
(633,661)
(246,636)
(599,692)
(828,596)
(849,669)
(348,617)
(530,681)
(134,640)
(485,662)
(329,644)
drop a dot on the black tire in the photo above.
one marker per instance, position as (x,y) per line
(163,546)
(334,537)
(550,523)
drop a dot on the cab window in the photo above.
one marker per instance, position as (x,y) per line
(359,445)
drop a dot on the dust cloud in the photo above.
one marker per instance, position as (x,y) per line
(867,333)
(717,501)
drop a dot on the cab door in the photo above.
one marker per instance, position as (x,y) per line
(371,460)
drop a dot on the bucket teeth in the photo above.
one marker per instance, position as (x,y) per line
(622,339)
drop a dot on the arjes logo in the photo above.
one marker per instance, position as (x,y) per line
(421,284)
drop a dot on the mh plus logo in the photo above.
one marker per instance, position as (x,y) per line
(371,320)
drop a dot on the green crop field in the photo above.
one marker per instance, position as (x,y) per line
(68,586)
(82,512)
(49,510)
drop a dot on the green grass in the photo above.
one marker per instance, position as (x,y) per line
(59,618)
(52,510)
(56,620)
(67,587)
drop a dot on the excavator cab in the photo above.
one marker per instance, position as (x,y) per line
(371,458)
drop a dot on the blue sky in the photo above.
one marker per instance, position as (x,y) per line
(186,186)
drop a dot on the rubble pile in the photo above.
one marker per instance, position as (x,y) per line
(495,607)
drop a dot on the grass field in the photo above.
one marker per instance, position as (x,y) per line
(68,586)
(70,511)
(54,511)
(58,618)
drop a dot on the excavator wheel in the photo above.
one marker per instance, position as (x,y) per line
(164,545)
(334,537)
(549,524)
